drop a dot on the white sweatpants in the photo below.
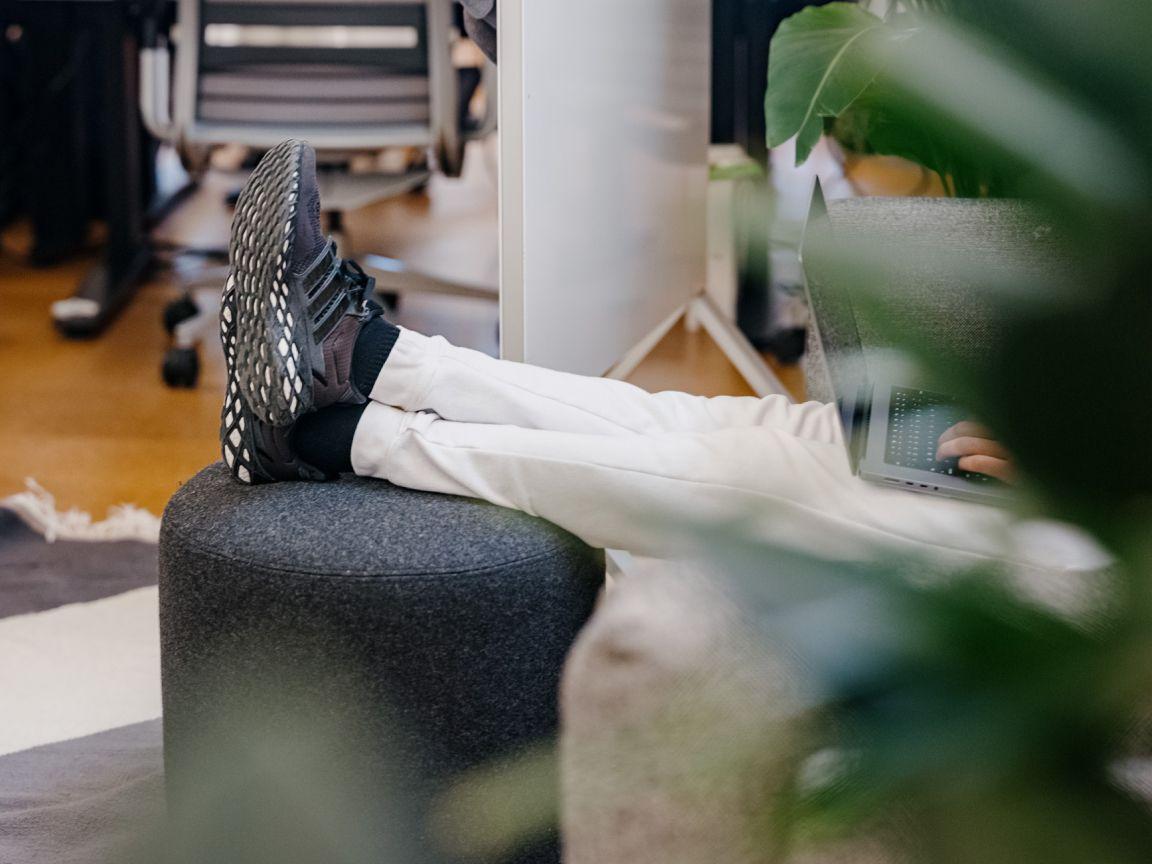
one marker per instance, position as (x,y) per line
(625,469)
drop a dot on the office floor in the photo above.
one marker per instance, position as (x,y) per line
(95,426)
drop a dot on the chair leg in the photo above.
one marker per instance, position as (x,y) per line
(395,277)
(190,319)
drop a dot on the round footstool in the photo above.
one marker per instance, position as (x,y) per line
(348,652)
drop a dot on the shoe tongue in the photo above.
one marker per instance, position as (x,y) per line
(309,241)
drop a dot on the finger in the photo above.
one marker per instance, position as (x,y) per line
(966,429)
(1001,469)
(968,446)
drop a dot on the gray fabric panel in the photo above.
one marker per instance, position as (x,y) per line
(433,627)
(313,94)
(919,228)
(817,381)
(332,112)
(303,86)
(339,72)
(36,575)
(83,801)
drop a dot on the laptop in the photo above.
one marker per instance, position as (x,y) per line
(892,426)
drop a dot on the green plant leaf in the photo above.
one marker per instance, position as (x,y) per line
(822,59)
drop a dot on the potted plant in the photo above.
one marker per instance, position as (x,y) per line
(829,73)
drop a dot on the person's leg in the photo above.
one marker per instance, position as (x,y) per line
(636,492)
(428,373)
(303,345)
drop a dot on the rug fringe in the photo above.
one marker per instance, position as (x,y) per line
(37,507)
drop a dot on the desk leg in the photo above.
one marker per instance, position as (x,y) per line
(128,254)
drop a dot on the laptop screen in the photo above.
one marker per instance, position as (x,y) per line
(834,317)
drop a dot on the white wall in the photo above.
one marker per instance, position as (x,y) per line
(604,136)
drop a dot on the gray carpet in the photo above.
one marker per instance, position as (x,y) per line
(35,575)
(82,801)
(85,801)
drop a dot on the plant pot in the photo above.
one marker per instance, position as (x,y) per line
(888,176)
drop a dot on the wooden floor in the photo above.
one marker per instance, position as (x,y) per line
(95,426)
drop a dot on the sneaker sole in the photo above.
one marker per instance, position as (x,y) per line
(235,436)
(240,444)
(273,361)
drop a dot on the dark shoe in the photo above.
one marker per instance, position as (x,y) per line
(254,451)
(298,308)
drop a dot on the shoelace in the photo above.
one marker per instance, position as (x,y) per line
(365,284)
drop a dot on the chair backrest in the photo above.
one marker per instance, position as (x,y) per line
(345,74)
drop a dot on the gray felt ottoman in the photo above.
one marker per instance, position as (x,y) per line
(336,655)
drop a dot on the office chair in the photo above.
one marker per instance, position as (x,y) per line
(351,77)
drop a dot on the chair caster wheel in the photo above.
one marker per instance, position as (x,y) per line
(179,311)
(181,368)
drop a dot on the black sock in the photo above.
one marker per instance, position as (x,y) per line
(373,346)
(324,439)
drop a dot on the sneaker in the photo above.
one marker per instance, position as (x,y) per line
(298,307)
(289,319)
(254,451)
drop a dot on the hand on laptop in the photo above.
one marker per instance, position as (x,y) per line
(977,450)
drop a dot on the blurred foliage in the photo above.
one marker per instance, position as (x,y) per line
(295,767)
(488,814)
(992,727)
(983,724)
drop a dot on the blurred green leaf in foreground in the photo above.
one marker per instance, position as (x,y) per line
(989,727)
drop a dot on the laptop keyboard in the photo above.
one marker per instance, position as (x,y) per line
(916,420)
